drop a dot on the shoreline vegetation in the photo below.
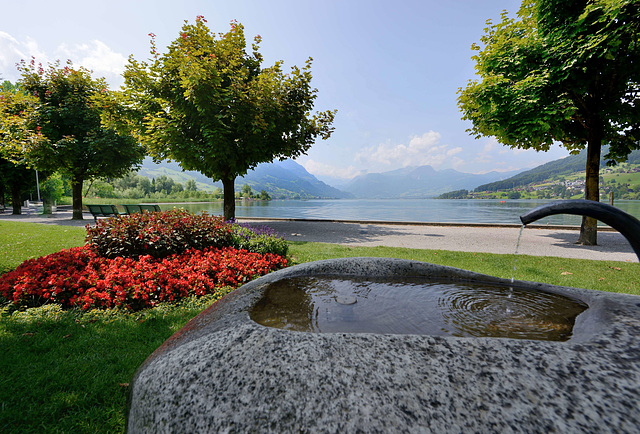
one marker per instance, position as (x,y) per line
(621,182)
(69,370)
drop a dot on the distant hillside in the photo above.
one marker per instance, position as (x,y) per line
(562,167)
(416,182)
(281,179)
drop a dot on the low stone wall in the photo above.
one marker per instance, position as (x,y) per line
(224,373)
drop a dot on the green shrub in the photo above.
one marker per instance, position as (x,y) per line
(158,234)
(260,239)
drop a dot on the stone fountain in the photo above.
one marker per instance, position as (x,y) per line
(225,372)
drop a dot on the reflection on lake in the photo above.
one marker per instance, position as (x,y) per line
(415,210)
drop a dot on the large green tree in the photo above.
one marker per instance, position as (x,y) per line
(16,137)
(210,105)
(19,179)
(563,71)
(67,117)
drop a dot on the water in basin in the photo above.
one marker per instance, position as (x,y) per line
(322,304)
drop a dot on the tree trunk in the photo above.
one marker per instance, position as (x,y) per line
(76,193)
(589,228)
(229,198)
(16,197)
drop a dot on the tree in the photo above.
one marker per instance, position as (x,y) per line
(68,117)
(565,71)
(190,185)
(209,105)
(264,195)
(246,191)
(164,184)
(19,178)
(16,108)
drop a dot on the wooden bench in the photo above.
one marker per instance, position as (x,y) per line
(130,209)
(103,211)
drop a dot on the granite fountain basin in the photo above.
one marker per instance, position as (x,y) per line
(225,372)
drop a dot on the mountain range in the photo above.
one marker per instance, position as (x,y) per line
(281,179)
(417,182)
(288,179)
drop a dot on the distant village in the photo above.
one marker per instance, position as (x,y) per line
(560,187)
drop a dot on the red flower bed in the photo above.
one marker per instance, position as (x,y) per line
(79,277)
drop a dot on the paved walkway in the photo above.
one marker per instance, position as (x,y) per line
(490,239)
(478,238)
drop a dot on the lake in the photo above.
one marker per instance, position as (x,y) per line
(404,210)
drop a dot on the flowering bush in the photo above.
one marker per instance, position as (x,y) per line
(158,234)
(261,239)
(78,277)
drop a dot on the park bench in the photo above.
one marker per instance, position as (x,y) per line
(111,210)
(103,211)
(130,209)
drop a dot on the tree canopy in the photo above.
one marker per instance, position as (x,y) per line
(565,72)
(210,105)
(16,107)
(67,119)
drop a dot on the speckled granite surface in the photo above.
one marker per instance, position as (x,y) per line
(224,373)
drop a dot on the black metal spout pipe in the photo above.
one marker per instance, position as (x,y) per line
(624,223)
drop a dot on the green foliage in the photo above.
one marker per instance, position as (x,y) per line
(53,187)
(16,176)
(563,72)
(259,240)
(245,191)
(559,71)
(17,179)
(457,194)
(158,234)
(100,188)
(67,116)
(564,166)
(211,106)
(161,234)
(264,195)
(133,186)
(16,110)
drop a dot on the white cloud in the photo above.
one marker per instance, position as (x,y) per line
(518,151)
(322,169)
(13,51)
(491,145)
(97,57)
(94,55)
(421,150)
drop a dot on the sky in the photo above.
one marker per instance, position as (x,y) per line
(392,69)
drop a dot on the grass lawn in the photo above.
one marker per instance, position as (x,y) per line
(21,241)
(69,372)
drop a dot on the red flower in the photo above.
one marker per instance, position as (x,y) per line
(78,277)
